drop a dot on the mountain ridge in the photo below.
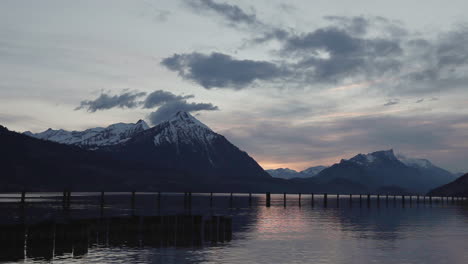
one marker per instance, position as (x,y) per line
(93,138)
(183,142)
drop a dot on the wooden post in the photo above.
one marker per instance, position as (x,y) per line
(102,199)
(64,199)
(337,200)
(453,201)
(360,200)
(211,199)
(410,200)
(386,200)
(23,198)
(417,199)
(325,202)
(231,201)
(159,200)
(403,200)
(190,200)
(250,199)
(430,199)
(284,199)
(133,200)
(268,199)
(312,199)
(368,200)
(394,200)
(424,199)
(350,200)
(68,199)
(300,199)
(378,200)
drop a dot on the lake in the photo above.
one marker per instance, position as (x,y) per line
(384,231)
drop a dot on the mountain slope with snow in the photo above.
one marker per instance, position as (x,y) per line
(94,137)
(186,144)
(286,173)
(382,169)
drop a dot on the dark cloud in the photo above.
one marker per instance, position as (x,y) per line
(237,17)
(166,102)
(392,102)
(355,25)
(332,54)
(160,97)
(231,13)
(357,48)
(168,109)
(169,103)
(221,70)
(106,101)
(420,100)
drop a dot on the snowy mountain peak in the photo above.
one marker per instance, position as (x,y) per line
(366,159)
(413,162)
(142,124)
(94,137)
(185,119)
(313,171)
(183,128)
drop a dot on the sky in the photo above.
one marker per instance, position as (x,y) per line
(294,83)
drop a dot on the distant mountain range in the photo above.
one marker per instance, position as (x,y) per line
(179,154)
(382,170)
(93,138)
(28,163)
(286,173)
(184,154)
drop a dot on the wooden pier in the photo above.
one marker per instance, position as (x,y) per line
(47,240)
(370,199)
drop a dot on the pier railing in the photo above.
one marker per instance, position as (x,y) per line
(323,199)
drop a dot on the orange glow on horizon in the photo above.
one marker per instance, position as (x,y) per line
(299,165)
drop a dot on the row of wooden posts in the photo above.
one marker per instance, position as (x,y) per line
(368,197)
(66,200)
(49,239)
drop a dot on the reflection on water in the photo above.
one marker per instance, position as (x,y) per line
(169,231)
(48,240)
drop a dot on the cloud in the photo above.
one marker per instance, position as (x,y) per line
(348,49)
(168,109)
(169,104)
(221,70)
(332,54)
(106,101)
(236,17)
(160,97)
(420,100)
(231,13)
(392,102)
(166,102)
(355,25)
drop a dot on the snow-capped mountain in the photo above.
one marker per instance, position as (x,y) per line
(186,144)
(382,169)
(313,171)
(413,162)
(286,173)
(94,137)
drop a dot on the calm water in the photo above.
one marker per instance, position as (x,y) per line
(351,233)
